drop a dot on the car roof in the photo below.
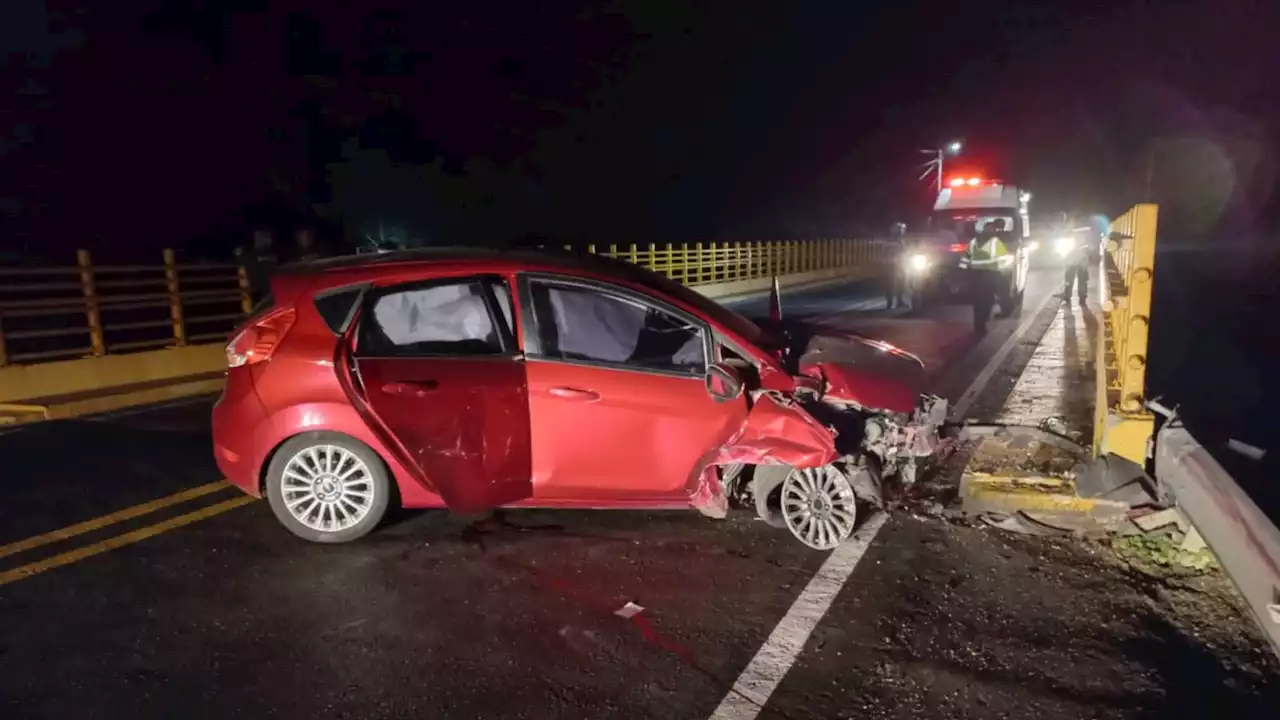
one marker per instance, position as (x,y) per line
(322,274)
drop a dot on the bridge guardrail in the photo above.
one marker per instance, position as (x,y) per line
(1122,424)
(52,313)
(1245,541)
(1186,476)
(88,310)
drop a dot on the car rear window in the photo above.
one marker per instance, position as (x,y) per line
(337,307)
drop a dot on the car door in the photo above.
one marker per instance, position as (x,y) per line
(445,387)
(619,410)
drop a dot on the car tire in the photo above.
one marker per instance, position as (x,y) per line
(337,488)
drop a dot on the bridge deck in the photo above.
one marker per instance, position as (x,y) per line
(198,605)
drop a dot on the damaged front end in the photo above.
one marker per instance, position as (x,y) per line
(805,459)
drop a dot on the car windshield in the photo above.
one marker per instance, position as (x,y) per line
(967,224)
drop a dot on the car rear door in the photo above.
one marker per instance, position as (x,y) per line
(445,388)
(619,409)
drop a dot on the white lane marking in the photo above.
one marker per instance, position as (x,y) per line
(751,691)
(967,398)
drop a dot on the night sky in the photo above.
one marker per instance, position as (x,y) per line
(131,126)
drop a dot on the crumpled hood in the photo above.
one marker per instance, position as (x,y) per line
(846,382)
(857,356)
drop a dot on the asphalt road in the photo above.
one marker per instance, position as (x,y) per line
(206,608)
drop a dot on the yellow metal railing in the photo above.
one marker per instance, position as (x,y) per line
(1122,424)
(705,263)
(53,313)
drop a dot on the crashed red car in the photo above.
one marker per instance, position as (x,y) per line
(475,380)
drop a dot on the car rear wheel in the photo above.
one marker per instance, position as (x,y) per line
(327,488)
(819,506)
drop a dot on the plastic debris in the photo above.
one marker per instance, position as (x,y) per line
(629,610)
(1252,452)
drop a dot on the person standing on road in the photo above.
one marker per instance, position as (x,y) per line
(1078,260)
(893,296)
(985,257)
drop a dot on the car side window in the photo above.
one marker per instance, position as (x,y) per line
(452,317)
(587,325)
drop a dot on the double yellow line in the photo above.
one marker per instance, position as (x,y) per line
(66,558)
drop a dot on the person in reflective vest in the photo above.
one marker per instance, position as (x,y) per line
(988,255)
(985,251)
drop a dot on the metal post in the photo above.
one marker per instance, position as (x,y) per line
(92,316)
(175,298)
(1133,369)
(246,292)
(940,156)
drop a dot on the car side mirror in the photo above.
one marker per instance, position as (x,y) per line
(724,382)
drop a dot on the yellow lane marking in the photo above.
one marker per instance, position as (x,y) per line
(98,523)
(35,568)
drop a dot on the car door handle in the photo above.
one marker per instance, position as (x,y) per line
(569,393)
(415,388)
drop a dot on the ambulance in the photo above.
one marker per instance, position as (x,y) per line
(939,257)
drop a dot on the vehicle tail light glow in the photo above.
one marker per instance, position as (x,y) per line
(958,247)
(974,182)
(256,342)
(957,182)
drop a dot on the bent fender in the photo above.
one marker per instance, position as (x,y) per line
(775,432)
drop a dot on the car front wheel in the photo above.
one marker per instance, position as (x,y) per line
(819,506)
(327,488)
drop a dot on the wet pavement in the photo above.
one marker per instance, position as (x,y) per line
(216,614)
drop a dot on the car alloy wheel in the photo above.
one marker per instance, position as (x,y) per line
(819,506)
(328,488)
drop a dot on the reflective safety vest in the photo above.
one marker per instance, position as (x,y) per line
(985,253)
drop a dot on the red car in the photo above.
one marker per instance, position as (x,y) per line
(473,379)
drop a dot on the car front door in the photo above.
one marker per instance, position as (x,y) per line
(445,388)
(619,409)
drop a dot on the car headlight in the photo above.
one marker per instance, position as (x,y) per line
(918,262)
(1033,246)
(1064,246)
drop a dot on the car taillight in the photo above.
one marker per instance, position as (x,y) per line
(255,343)
(959,247)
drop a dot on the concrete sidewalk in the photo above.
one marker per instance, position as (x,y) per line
(1058,383)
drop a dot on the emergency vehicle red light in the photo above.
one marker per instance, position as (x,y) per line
(975,181)
(959,247)
(957,182)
